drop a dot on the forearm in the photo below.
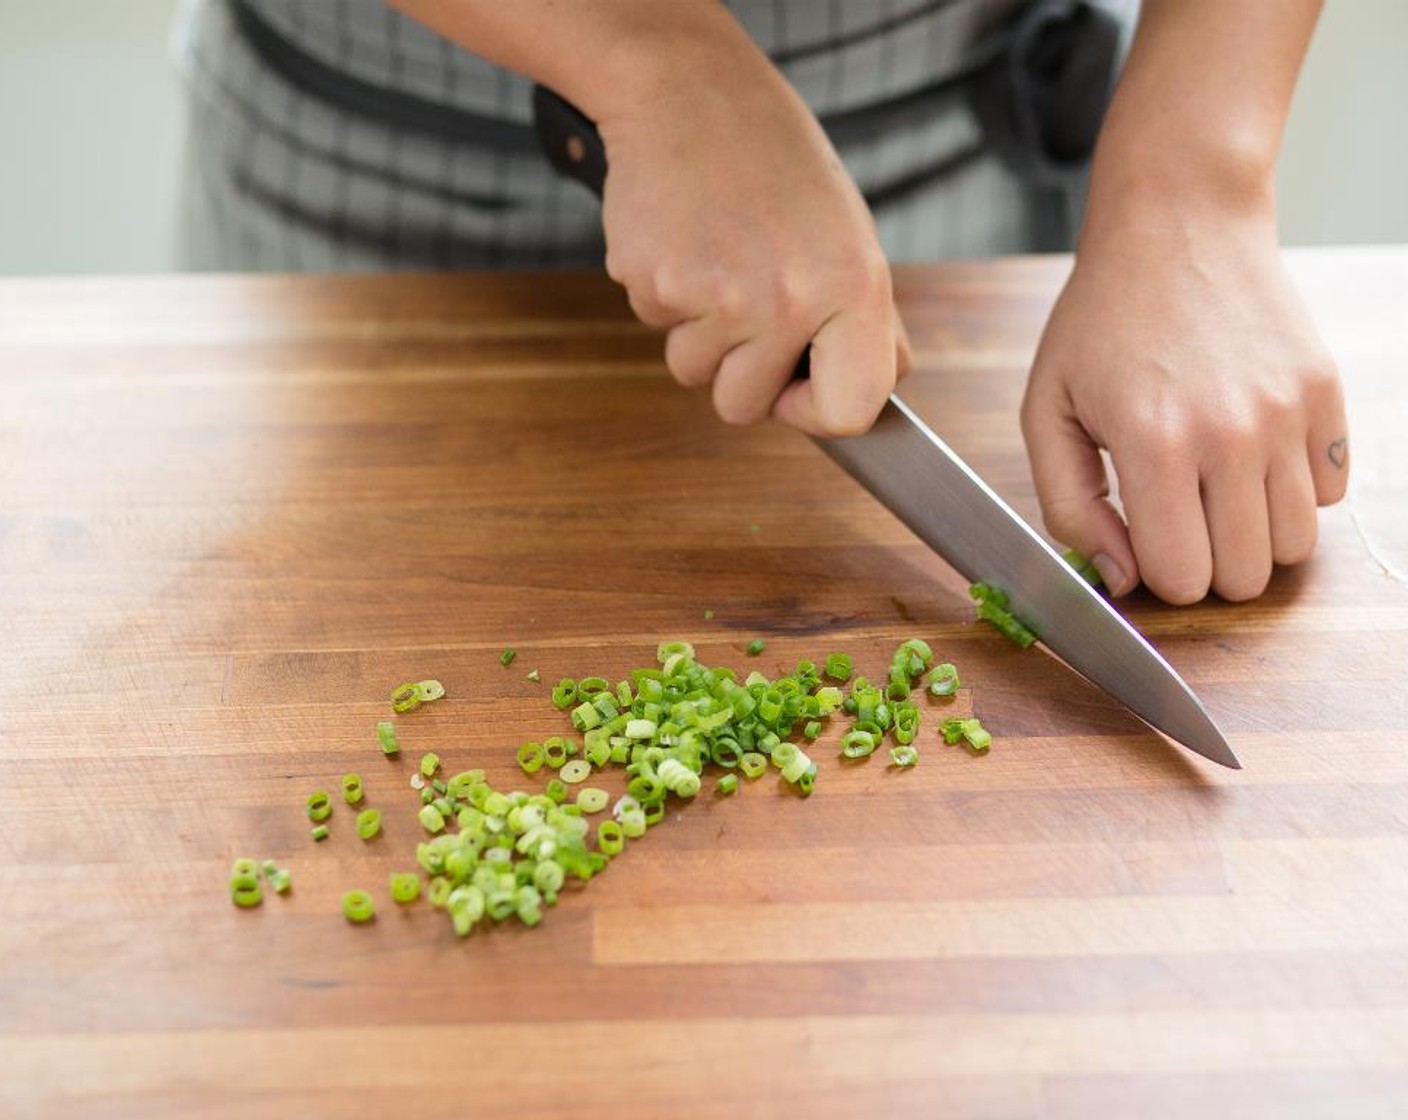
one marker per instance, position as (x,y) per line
(1202,103)
(605,56)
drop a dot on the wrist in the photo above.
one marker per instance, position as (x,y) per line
(1151,183)
(663,52)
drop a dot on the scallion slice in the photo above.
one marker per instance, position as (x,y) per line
(319,806)
(978,738)
(357,906)
(1083,567)
(530,757)
(405,697)
(838,666)
(352,788)
(610,837)
(576,770)
(431,819)
(592,799)
(943,680)
(405,886)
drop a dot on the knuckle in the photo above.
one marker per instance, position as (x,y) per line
(625,266)
(689,368)
(731,299)
(787,295)
(1241,586)
(904,356)
(734,410)
(615,266)
(847,423)
(643,307)
(1279,412)
(1322,379)
(1296,546)
(864,276)
(668,287)
(1065,516)
(853,414)
(1231,437)
(1165,442)
(1181,589)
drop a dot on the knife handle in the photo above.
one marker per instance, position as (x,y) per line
(573,145)
(569,139)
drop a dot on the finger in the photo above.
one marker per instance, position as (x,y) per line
(752,374)
(854,360)
(1074,492)
(651,311)
(1328,439)
(904,353)
(1290,506)
(1163,507)
(1234,496)
(695,349)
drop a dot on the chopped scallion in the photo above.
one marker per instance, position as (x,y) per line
(357,906)
(592,799)
(576,770)
(431,819)
(405,697)
(904,756)
(430,690)
(530,757)
(405,886)
(319,806)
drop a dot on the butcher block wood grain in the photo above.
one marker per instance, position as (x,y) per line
(234,512)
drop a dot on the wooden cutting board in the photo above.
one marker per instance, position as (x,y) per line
(234,512)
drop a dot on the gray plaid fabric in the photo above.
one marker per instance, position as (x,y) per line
(278,179)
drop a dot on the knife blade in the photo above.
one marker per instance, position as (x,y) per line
(918,477)
(904,464)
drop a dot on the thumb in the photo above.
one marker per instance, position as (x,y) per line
(1074,491)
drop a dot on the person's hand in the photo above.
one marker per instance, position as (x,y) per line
(1180,346)
(733,226)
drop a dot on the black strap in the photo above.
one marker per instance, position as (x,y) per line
(407,112)
(404,112)
(1008,115)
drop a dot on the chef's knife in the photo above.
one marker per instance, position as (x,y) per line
(938,496)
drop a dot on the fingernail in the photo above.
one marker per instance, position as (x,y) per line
(1113,575)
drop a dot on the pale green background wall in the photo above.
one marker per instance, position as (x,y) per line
(90,125)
